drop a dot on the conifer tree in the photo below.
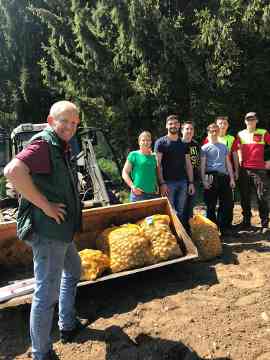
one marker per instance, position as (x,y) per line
(21,89)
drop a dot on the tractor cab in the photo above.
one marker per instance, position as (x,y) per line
(21,135)
(92,156)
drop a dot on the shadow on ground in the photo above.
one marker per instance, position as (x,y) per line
(127,292)
(119,346)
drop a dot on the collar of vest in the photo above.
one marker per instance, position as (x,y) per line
(49,134)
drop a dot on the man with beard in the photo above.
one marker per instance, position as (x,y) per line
(175,170)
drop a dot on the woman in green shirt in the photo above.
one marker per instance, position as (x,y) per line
(140,170)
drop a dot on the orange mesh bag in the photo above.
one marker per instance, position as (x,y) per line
(94,262)
(163,243)
(126,247)
(205,236)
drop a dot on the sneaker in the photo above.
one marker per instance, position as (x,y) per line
(67,336)
(51,355)
(263,230)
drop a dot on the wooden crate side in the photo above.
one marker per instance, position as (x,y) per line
(178,229)
(7,231)
(119,214)
(86,240)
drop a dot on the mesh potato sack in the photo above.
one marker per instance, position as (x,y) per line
(126,247)
(163,243)
(205,236)
(94,262)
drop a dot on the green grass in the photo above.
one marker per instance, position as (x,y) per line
(110,168)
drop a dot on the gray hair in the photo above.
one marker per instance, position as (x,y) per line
(61,106)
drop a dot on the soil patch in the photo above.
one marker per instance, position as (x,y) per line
(199,310)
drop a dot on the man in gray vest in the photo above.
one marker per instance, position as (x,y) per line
(49,215)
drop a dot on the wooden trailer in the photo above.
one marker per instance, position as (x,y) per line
(15,254)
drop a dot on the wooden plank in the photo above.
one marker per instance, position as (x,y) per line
(7,231)
(134,271)
(19,288)
(20,300)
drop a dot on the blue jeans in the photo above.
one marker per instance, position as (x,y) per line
(57,270)
(143,196)
(177,196)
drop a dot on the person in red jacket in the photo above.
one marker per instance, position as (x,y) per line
(251,144)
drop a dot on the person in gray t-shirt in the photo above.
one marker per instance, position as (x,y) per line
(218,179)
(216,157)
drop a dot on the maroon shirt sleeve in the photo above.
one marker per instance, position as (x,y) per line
(37,157)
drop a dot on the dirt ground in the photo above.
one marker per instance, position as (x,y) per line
(213,310)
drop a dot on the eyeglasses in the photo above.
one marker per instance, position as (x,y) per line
(213,131)
(67,122)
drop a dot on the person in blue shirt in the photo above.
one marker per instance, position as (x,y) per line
(175,170)
(218,179)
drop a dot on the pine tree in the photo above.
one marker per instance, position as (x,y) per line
(21,89)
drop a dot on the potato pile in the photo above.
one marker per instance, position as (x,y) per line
(163,244)
(206,237)
(94,262)
(126,247)
(134,245)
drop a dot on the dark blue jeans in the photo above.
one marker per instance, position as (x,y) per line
(177,196)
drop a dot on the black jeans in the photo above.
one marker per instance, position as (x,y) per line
(258,180)
(221,192)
